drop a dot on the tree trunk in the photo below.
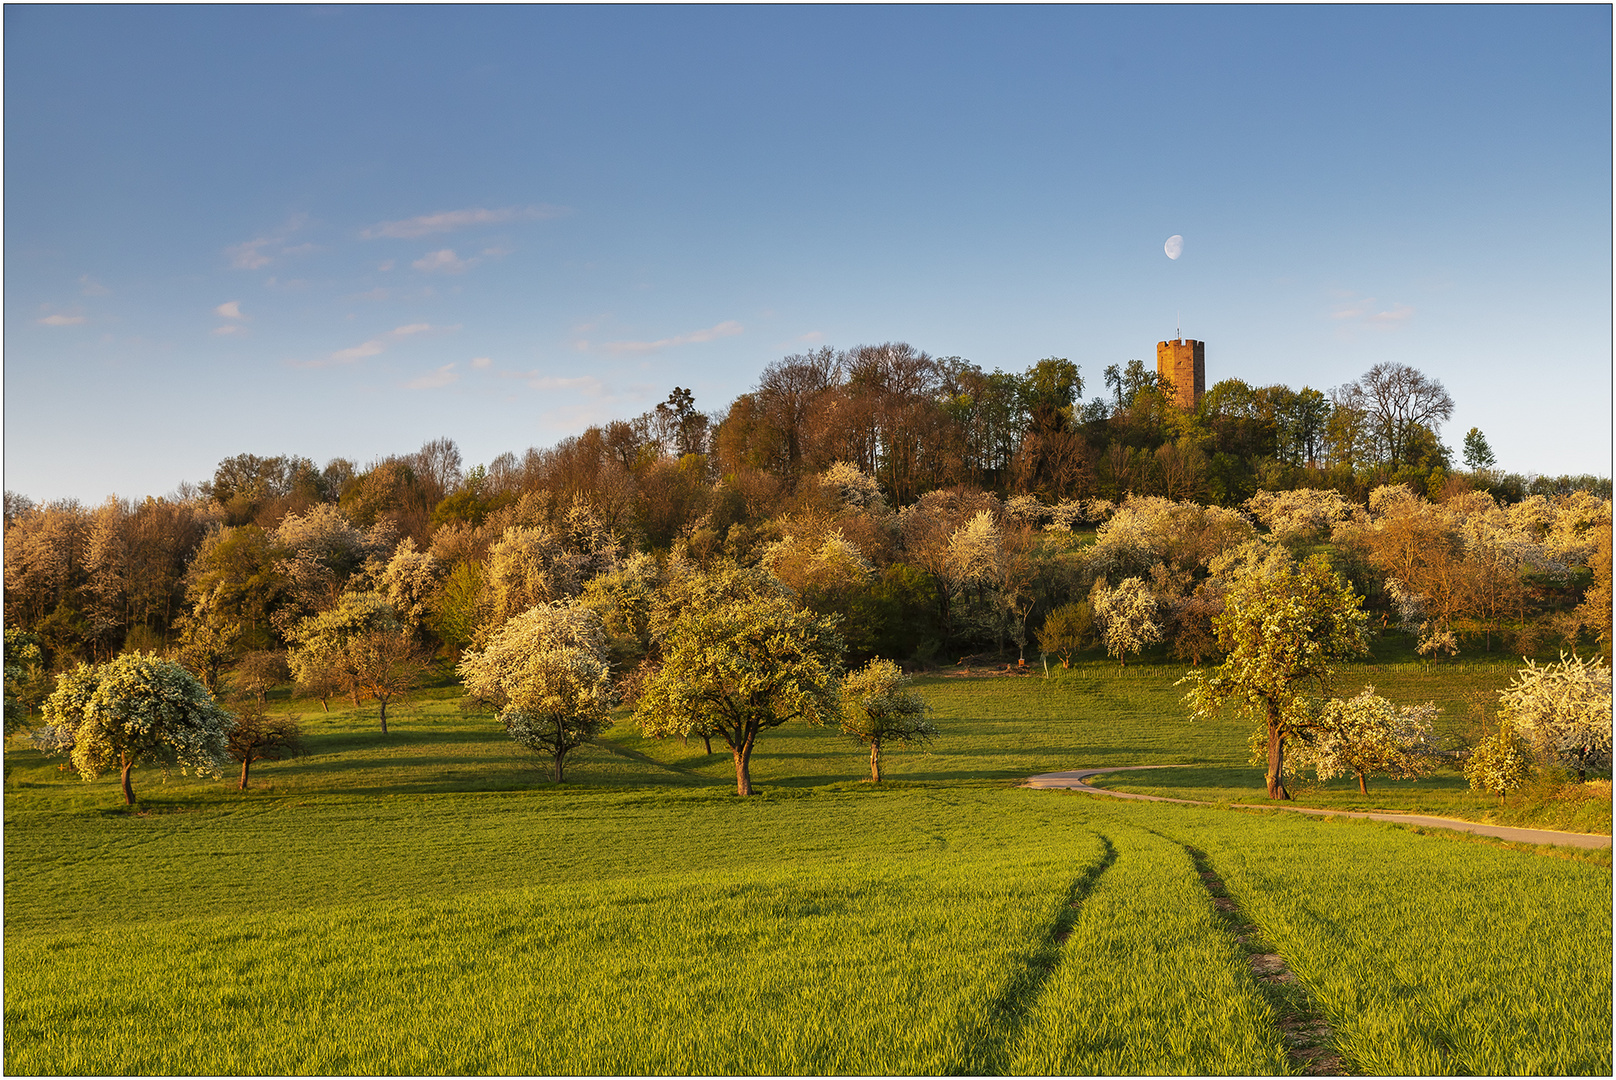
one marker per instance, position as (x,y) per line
(325,702)
(743,762)
(1363,787)
(128,789)
(875,760)
(707,741)
(559,756)
(384,714)
(1276,762)
(245,762)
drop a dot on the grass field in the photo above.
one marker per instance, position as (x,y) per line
(429,902)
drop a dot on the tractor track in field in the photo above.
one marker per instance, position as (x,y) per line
(1308,1038)
(1018,999)
(1076,780)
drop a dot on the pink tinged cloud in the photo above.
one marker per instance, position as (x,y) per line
(377,344)
(373,347)
(443,376)
(443,262)
(62,320)
(712,333)
(229,310)
(450,220)
(1362,310)
(248,256)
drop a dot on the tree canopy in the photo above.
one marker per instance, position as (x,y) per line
(137,709)
(740,657)
(545,671)
(1284,627)
(1564,708)
(1366,734)
(879,709)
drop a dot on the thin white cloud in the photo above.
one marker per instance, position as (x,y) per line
(376,345)
(1397,313)
(91,287)
(1367,311)
(229,310)
(482,363)
(230,328)
(373,347)
(249,255)
(253,254)
(443,376)
(712,333)
(450,220)
(63,320)
(443,262)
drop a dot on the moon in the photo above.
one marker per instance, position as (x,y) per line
(1174,246)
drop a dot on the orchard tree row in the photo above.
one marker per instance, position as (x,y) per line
(731,654)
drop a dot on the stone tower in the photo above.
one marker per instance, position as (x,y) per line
(1184,364)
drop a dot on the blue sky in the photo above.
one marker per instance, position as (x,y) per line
(345,231)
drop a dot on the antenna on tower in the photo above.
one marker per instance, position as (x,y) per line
(1178,321)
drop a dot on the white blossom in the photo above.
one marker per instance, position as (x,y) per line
(1564,708)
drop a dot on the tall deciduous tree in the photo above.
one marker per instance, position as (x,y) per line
(1284,628)
(138,709)
(1402,406)
(546,673)
(879,709)
(237,579)
(741,658)
(787,392)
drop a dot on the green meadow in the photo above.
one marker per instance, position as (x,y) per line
(429,902)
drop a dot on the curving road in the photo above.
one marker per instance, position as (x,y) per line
(1075,781)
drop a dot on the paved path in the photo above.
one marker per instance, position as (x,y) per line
(1075,781)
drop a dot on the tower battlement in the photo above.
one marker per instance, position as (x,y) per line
(1183,363)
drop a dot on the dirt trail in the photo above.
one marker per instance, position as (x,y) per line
(1075,781)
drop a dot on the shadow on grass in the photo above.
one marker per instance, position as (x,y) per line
(1016,1001)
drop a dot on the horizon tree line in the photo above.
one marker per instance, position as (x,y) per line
(910,494)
